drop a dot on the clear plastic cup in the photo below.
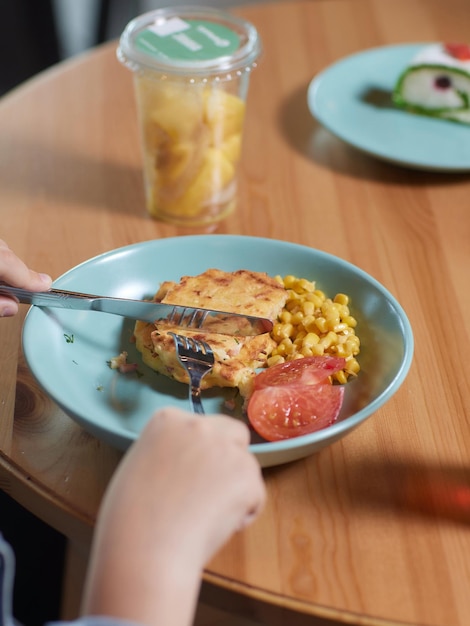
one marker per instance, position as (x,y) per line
(191,70)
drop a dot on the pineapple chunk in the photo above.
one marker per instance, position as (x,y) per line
(215,174)
(224,113)
(177,109)
(232,148)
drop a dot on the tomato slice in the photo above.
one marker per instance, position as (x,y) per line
(282,412)
(296,398)
(307,371)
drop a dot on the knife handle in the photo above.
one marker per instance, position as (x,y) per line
(24,296)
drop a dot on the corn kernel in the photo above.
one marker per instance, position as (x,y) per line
(275,360)
(316,301)
(308,308)
(291,305)
(310,325)
(311,339)
(352,366)
(321,324)
(289,281)
(340,377)
(306,285)
(287,330)
(350,321)
(328,340)
(341,298)
(287,345)
(318,350)
(352,344)
(297,318)
(301,334)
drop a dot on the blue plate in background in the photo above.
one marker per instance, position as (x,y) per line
(352,99)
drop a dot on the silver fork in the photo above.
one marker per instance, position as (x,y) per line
(197,359)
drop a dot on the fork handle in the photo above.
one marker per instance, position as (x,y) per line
(195,391)
(195,398)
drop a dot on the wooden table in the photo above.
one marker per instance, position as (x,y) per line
(374,529)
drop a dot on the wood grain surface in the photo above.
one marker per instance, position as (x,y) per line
(376,528)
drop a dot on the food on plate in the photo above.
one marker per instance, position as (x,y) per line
(305,360)
(296,398)
(121,363)
(437,83)
(311,324)
(306,371)
(236,358)
(192,143)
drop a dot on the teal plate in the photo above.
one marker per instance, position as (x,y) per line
(67,351)
(352,99)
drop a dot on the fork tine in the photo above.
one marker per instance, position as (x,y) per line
(198,346)
(180,317)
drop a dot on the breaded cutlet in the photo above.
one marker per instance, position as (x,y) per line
(236,358)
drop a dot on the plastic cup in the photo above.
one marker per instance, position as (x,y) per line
(191,70)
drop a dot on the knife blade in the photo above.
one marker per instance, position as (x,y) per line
(192,318)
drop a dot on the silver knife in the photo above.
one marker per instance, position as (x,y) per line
(204,320)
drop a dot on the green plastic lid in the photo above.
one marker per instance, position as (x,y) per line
(194,41)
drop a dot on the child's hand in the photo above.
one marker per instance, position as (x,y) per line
(14,272)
